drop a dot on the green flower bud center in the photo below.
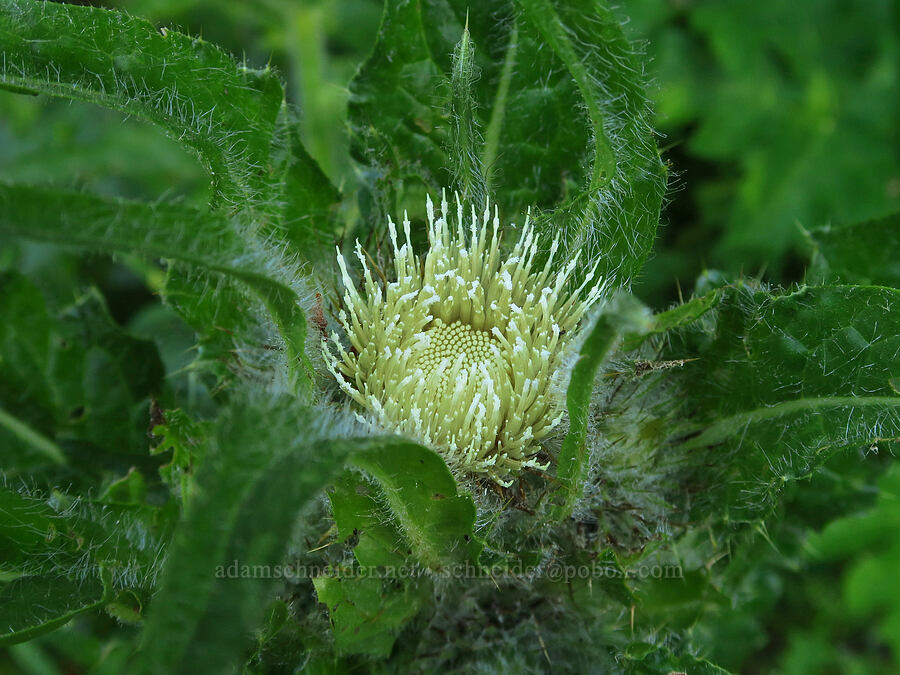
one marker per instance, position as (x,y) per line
(449,342)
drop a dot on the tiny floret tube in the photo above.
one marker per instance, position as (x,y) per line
(459,351)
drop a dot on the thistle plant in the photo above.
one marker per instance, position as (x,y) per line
(548,477)
(462,350)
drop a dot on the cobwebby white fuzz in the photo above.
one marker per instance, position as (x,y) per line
(459,352)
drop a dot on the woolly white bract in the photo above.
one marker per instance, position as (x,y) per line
(460,350)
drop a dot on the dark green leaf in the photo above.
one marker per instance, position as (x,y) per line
(25,439)
(649,659)
(368,612)
(869,547)
(70,381)
(615,212)
(203,240)
(309,218)
(32,605)
(799,78)
(864,253)
(62,557)
(26,524)
(129,489)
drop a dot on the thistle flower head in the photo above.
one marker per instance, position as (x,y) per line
(459,351)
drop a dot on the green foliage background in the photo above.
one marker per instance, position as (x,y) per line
(761,465)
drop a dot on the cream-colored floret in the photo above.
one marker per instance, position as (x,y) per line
(459,352)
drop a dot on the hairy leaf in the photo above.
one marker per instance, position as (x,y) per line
(267,459)
(421,495)
(33,605)
(64,556)
(560,97)
(465,139)
(190,88)
(232,116)
(780,383)
(649,659)
(202,240)
(623,315)
(614,214)
(247,496)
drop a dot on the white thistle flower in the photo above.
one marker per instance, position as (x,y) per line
(459,352)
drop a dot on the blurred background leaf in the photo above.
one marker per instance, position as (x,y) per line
(776,116)
(860,253)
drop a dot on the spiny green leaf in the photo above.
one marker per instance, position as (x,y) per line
(410,515)
(465,136)
(875,530)
(233,116)
(680,315)
(217,308)
(615,215)
(400,134)
(651,659)
(779,384)
(64,556)
(268,458)
(33,605)
(26,524)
